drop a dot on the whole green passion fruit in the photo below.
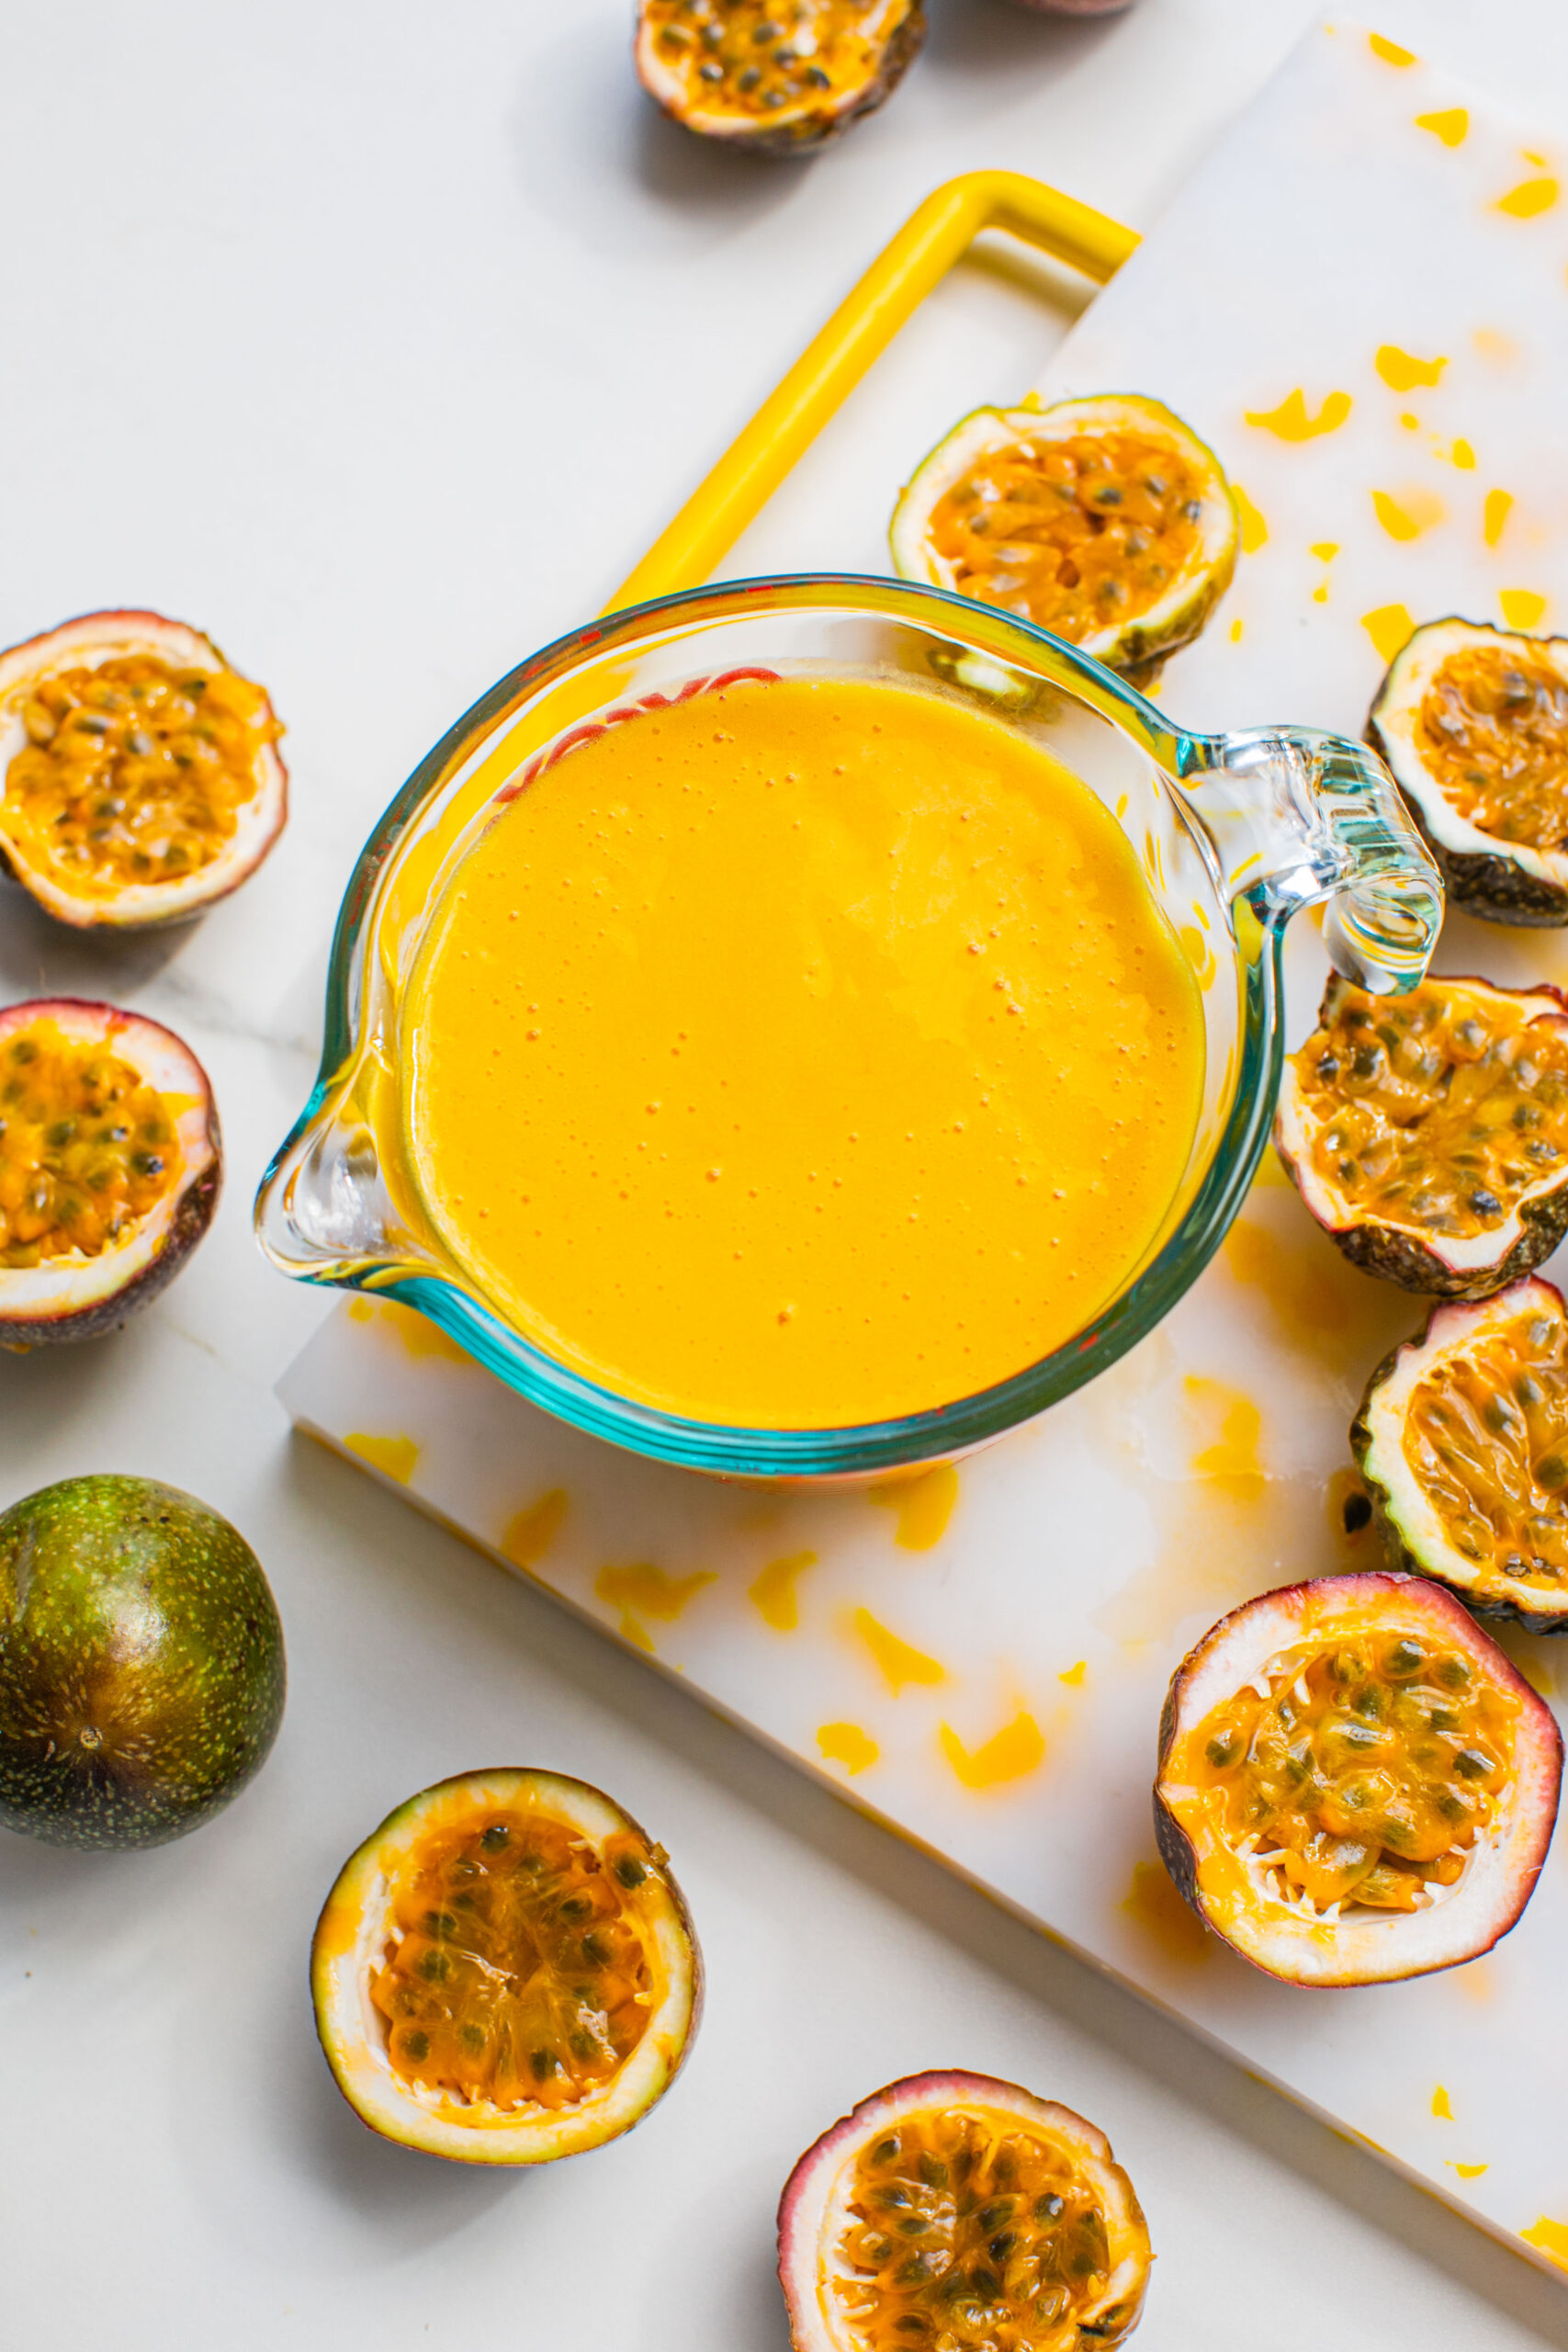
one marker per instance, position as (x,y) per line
(141,1668)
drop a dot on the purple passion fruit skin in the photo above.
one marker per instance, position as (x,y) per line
(141,1665)
(1462,1440)
(767,75)
(1472,723)
(1014,2226)
(110,1166)
(505,1971)
(1427,1134)
(140,775)
(1384,1811)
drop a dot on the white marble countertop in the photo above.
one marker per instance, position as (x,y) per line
(378,342)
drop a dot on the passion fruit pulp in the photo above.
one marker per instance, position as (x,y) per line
(1105,520)
(953,2209)
(505,1971)
(777,78)
(110,1162)
(142,774)
(1473,724)
(142,1665)
(1355,1785)
(1428,1133)
(1462,1440)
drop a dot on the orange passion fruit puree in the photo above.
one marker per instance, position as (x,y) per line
(753,57)
(86,1146)
(802,1054)
(966,2229)
(1359,1774)
(1492,733)
(1078,535)
(1487,1436)
(1438,1110)
(516,1972)
(135,770)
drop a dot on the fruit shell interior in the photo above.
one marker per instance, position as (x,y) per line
(794,129)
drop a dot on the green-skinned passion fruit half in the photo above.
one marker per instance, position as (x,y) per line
(505,1971)
(1105,520)
(139,778)
(962,2215)
(1428,1133)
(777,78)
(141,1667)
(1473,724)
(1462,1440)
(110,1163)
(1355,1785)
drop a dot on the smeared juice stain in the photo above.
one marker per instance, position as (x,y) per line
(1463,456)
(1478,1982)
(1271,1176)
(1018,1749)
(1520,607)
(393,1456)
(1236,632)
(532,1531)
(1551,2238)
(1254,529)
(900,1661)
(1291,422)
(417,1333)
(773,1591)
(359,1309)
(1467,2171)
(1402,371)
(1528,155)
(1390,51)
(1535,1655)
(1230,1461)
(1074,1675)
(640,1590)
(1494,515)
(1389,628)
(924,1506)
(1319,1304)
(1450,124)
(1199,954)
(1531,196)
(1407,516)
(1442,2106)
(1154,1903)
(846,1744)
(1500,349)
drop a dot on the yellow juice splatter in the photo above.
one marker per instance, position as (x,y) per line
(1530,198)
(924,1506)
(1442,2106)
(774,1592)
(1463,456)
(1232,1460)
(1018,1749)
(1407,516)
(1389,628)
(898,1660)
(1236,632)
(1074,1675)
(532,1531)
(1254,529)
(1494,515)
(1292,421)
(1520,607)
(1324,549)
(1154,1903)
(1390,51)
(1550,2238)
(846,1744)
(1450,124)
(640,1590)
(394,1456)
(1402,371)
(1467,2171)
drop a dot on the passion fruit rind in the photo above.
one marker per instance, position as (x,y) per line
(1460,1267)
(1411,1527)
(1515,882)
(1343,1948)
(72,1296)
(351,1940)
(89,641)
(815,2209)
(798,127)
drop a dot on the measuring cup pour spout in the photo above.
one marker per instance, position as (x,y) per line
(1294,816)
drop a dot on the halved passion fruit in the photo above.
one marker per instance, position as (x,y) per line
(776,76)
(1428,1134)
(1354,1783)
(1462,1439)
(1473,724)
(110,1163)
(505,1971)
(1104,520)
(955,2211)
(141,778)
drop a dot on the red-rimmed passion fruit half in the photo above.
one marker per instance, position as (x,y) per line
(110,1162)
(1428,1133)
(1473,724)
(505,1971)
(1105,520)
(1462,1440)
(777,78)
(141,777)
(951,2211)
(1355,1785)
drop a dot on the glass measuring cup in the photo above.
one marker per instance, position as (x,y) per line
(1236,834)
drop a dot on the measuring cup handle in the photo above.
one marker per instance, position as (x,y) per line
(1294,816)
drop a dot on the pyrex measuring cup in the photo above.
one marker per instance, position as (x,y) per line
(1236,834)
